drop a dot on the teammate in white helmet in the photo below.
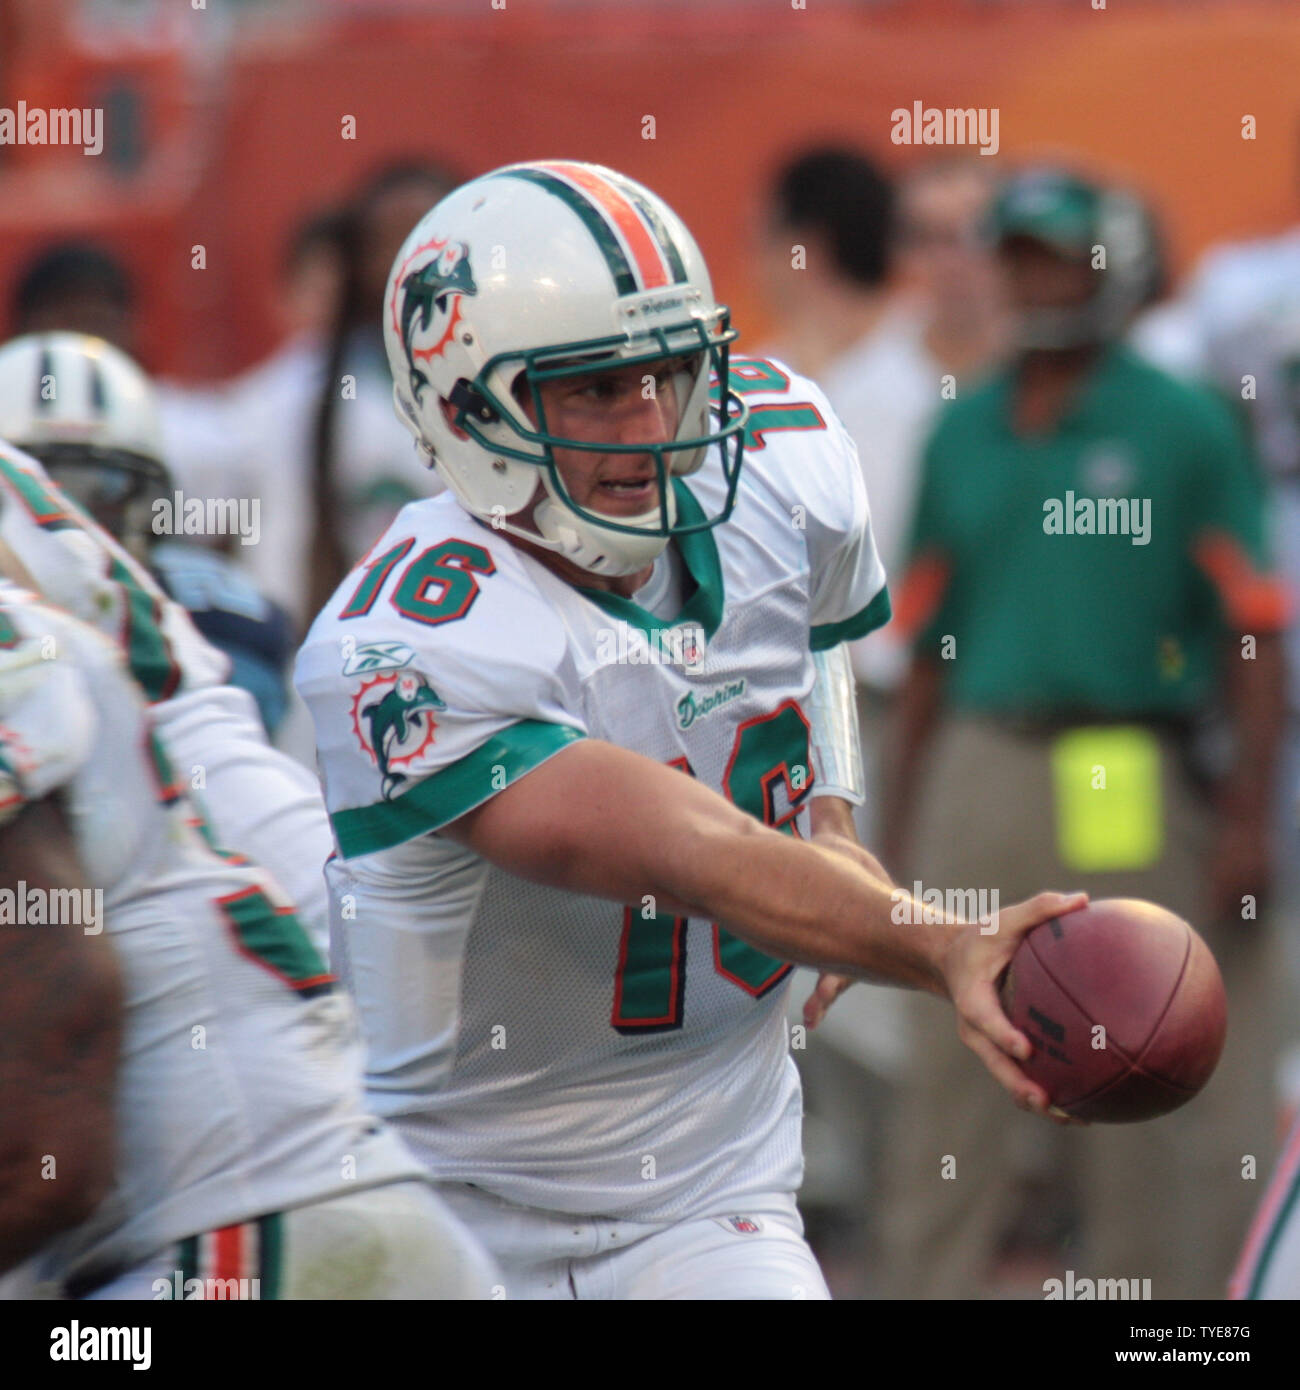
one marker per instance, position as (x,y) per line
(588,687)
(244,1152)
(89,412)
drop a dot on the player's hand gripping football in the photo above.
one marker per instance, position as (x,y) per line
(971,966)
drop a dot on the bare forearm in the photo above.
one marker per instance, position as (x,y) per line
(637,830)
(633,830)
(809,904)
(30,1214)
(56,1108)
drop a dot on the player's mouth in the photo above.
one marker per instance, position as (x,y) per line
(626,495)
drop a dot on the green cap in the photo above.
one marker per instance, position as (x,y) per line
(1049,206)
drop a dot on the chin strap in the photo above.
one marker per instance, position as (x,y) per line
(597,548)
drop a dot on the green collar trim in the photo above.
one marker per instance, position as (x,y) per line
(699,552)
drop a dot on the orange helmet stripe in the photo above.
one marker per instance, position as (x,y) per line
(650,262)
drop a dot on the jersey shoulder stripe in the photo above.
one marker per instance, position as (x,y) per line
(455,790)
(862,623)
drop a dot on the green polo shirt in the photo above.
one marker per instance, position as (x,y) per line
(1098,567)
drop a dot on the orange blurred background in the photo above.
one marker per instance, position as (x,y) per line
(229,136)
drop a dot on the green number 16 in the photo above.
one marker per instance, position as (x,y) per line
(769,753)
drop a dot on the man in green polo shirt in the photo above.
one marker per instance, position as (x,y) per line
(1087,592)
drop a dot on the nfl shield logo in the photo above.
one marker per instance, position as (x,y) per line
(692,648)
(746,1225)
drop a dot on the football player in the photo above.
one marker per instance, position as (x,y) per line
(212,1051)
(571,795)
(88,410)
(90,415)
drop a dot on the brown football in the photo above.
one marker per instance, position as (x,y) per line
(1125,1007)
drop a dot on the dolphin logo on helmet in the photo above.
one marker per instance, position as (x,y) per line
(426,293)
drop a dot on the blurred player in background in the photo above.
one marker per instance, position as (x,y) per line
(272,409)
(1236,323)
(78,286)
(89,410)
(192,1107)
(89,414)
(310,430)
(944,333)
(823,260)
(542,832)
(1052,653)
(894,293)
(84,287)
(320,444)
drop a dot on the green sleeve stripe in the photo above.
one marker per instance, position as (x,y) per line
(442,797)
(876,614)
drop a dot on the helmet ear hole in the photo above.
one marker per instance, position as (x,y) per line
(468,398)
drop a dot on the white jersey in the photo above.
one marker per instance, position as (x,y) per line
(256,799)
(211,731)
(239,1082)
(561,1051)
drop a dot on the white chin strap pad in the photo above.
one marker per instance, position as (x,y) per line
(593,547)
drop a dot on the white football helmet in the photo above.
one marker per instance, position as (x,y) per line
(540,271)
(89,414)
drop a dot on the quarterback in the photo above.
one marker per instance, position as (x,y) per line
(564,716)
